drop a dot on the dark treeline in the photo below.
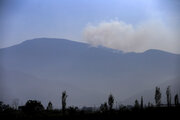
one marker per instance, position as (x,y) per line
(33,109)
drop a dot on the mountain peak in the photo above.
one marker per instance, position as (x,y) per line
(55,42)
(156,51)
(60,64)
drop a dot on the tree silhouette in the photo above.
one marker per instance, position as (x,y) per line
(157,96)
(136,104)
(33,106)
(72,110)
(64,96)
(104,107)
(176,100)
(168,94)
(110,101)
(4,107)
(50,106)
(149,104)
(141,102)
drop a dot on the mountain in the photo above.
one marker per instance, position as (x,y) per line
(42,68)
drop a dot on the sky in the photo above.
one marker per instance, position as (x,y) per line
(127,25)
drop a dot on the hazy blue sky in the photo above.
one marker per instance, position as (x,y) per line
(26,19)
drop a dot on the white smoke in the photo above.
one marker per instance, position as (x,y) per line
(129,38)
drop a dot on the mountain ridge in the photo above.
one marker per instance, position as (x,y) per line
(92,69)
(83,43)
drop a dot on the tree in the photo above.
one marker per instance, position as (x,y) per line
(136,104)
(149,104)
(72,110)
(157,96)
(168,94)
(33,106)
(50,106)
(110,101)
(64,96)
(176,100)
(141,102)
(104,107)
(4,107)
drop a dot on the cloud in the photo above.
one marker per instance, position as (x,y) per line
(129,38)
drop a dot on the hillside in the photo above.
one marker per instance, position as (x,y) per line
(42,68)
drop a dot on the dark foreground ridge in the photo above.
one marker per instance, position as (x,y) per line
(33,109)
(72,113)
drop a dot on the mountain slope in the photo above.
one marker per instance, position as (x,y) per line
(98,70)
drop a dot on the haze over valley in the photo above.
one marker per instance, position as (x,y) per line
(44,67)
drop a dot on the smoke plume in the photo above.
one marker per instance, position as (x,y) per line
(129,38)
